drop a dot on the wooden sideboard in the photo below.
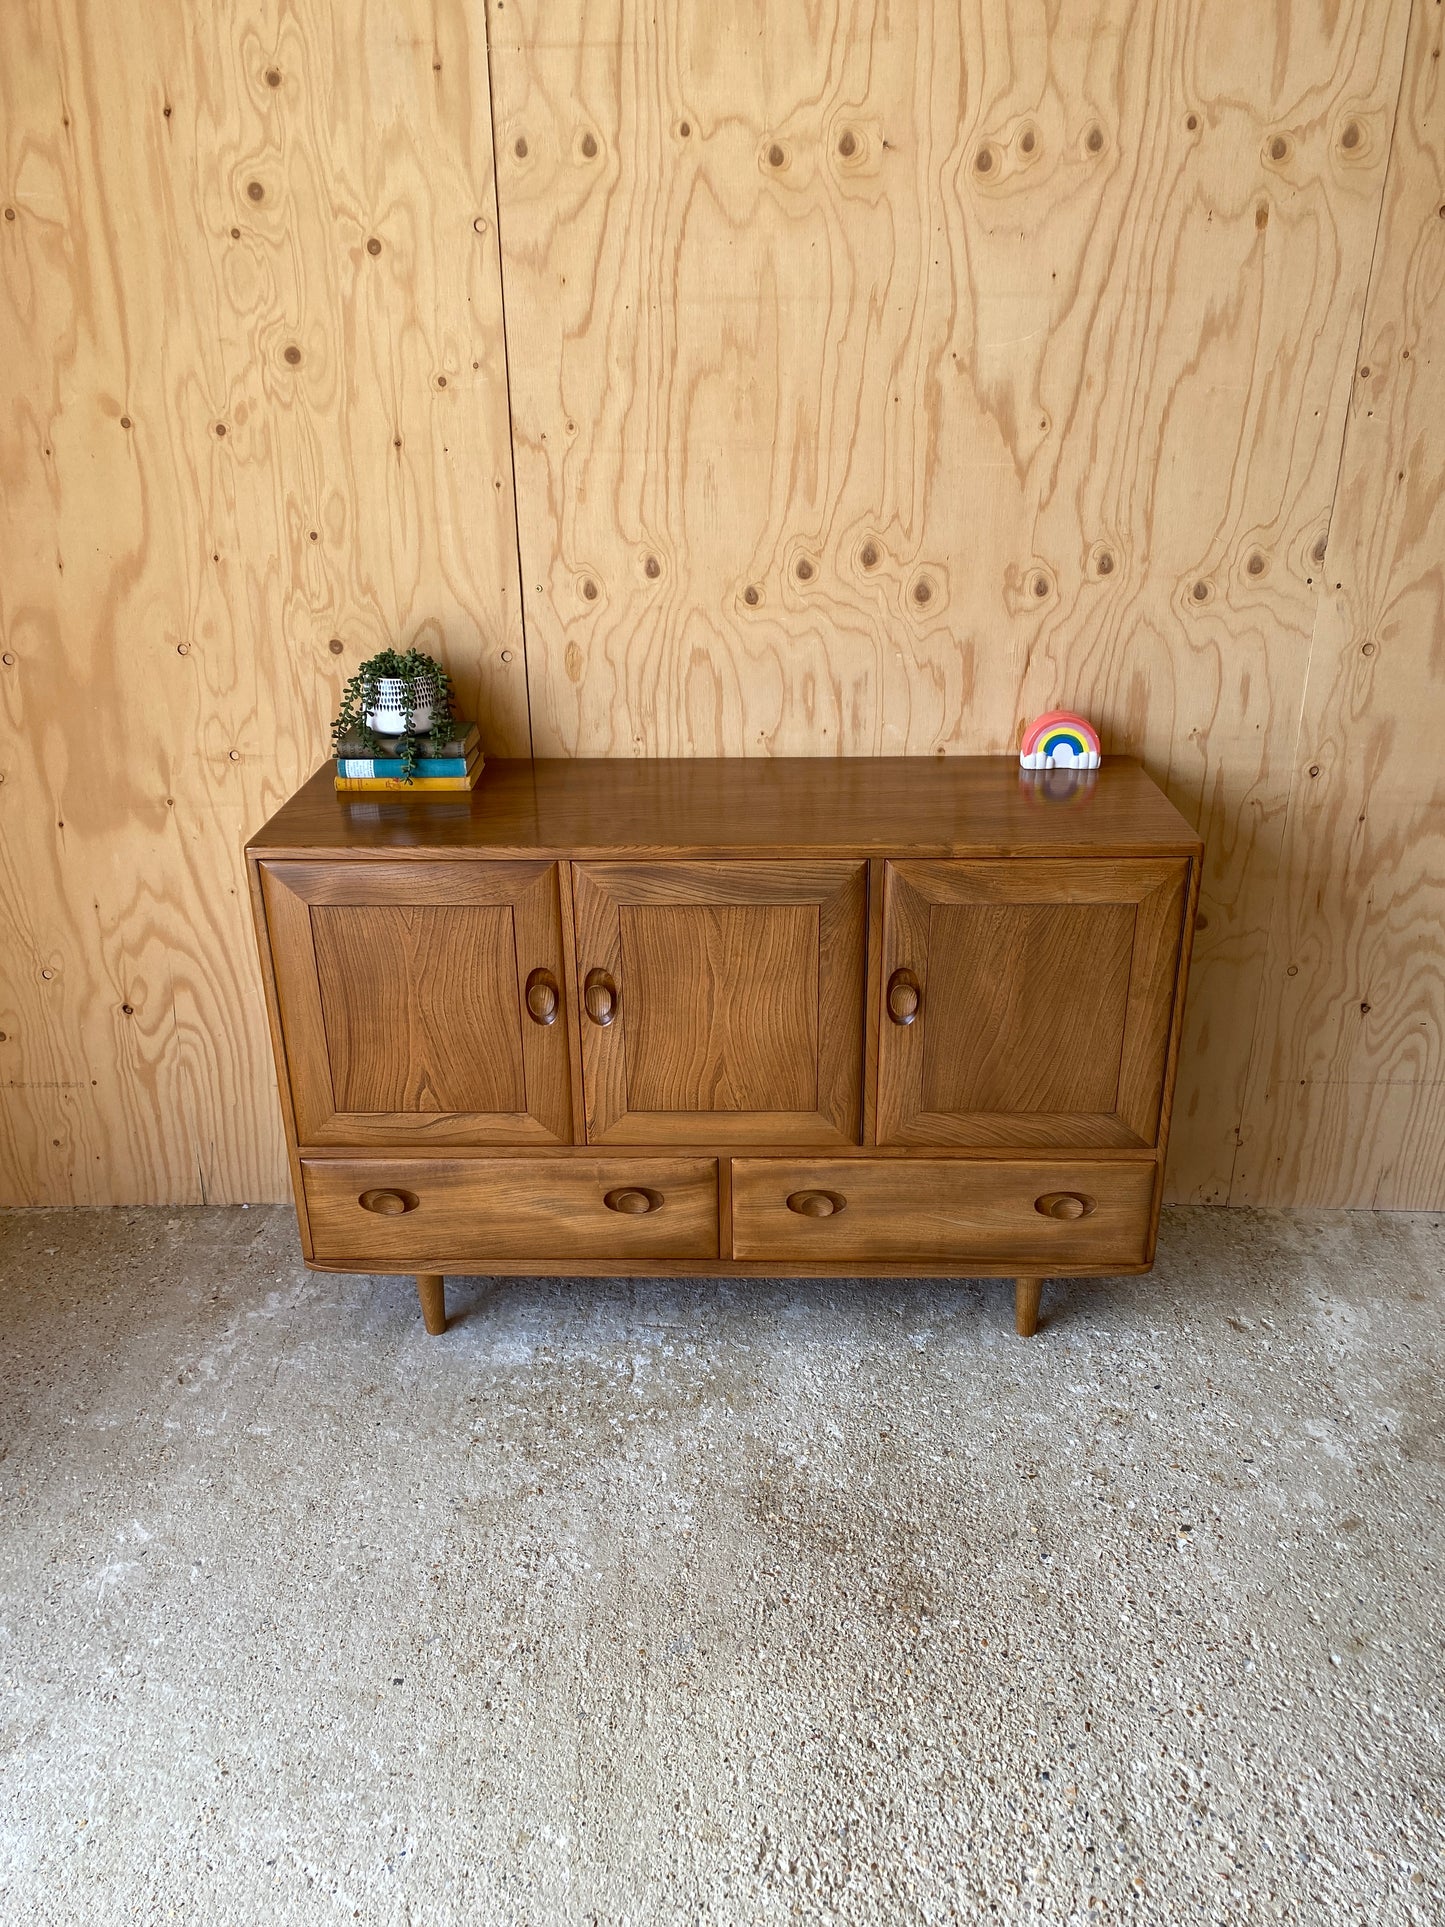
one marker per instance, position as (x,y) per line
(889,1017)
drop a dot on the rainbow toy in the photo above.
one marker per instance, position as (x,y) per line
(1060,740)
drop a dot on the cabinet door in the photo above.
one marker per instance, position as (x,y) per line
(722,1002)
(1027,1002)
(421,1002)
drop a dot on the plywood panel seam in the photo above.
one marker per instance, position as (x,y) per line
(507,376)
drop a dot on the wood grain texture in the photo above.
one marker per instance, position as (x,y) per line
(1046,997)
(1346,1102)
(469,1214)
(401,1000)
(726,1006)
(868,806)
(254,426)
(884,375)
(739,1015)
(420,1006)
(934,1210)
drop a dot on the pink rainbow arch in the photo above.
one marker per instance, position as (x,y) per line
(1060,740)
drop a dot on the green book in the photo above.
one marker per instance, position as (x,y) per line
(462,743)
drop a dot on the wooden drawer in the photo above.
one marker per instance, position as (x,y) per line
(434,1214)
(977,1215)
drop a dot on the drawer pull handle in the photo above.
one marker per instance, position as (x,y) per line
(388,1204)
(633,1202)
(1064,1204)
(904,997)
(543,1002)
(599,997)
(816,1204)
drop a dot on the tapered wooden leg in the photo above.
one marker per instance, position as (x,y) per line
(1026,1305)
(432,1291)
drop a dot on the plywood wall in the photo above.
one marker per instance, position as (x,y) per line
(254,425)
(882,376)
(877,376)
(1346,1097)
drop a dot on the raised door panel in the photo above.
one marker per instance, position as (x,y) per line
(1027,1003)
(422,1001)
(722,1002)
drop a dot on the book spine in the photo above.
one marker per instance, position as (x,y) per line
(352,750)
(391,765)
(422,783)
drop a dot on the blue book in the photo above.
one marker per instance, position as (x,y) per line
(392,765)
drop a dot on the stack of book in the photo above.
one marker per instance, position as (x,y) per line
(453,765)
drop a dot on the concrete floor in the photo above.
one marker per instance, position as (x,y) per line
(665,1602)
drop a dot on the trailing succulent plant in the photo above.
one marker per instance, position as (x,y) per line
(423,685)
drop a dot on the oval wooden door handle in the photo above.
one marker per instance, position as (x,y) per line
(388,1204)
(599,998)
(632,1201)
(904,996)
(1064,1204)
(543,1001)
(816,1204)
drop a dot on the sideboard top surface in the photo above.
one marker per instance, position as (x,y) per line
(863,806)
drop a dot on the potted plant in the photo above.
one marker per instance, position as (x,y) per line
(396,699)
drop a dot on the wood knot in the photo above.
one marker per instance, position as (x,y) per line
(1041,586)
(373,246)
(983,160)
(10,213)
(1352,135)
(589,146)
(336,645)
(804,569)
(776,156)
(652,567)
(751,596)
(922,590)
(183,648)
(1255,564)
(1200,591)
(1191,121)
(847,143)
(1367,648)
(273,77)
(1094,139)
(1278,148)
(519,147)
(868,555)
(1105,563)
(220,428)
(127,1010)
(684,128)
(255,190)
(589,589)
(293,355)
(125,421)
(1028,141)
